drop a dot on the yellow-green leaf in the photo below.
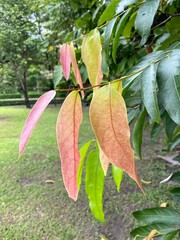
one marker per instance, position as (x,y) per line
(91,55)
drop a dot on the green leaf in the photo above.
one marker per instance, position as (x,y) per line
(166,215)
(117,176)
(175,194)
(145,17)
(169,125)
(109,12)
(137,133)
(57,76)
(156,129)
(132,114)
(108,34)
(173,25)
(171,235)
(123,4)
(129,26)
(95,184)
(143,231)
(169,84)
(149,92)
(83,153)
(143,63)
(119,30)
(174,142)
(105,66)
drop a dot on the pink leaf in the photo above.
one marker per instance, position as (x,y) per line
(75,68)
(33,118)
(67,130)
(65,59)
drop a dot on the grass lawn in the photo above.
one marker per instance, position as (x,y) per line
(31,208)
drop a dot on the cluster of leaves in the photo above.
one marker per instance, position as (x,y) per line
(150,92)
(163,222)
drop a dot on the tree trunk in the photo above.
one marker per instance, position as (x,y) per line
(26,97)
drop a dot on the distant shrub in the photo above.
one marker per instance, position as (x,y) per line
(10,95)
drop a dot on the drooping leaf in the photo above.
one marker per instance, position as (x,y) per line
(143,63)
(75,68)
(57,76)
(33,118)
(95,184)
(65,59)
(83,153)
(132,114)
(169,84)
(169,125)
(130,24)
(149,92)
(67,130)
(166,215)
(109,12)
(108,34)
(123,4)
(117,176)
(105,66)
(119,30)
(145,17)
(109,121)
(137,133)
(104,160)
(91,55)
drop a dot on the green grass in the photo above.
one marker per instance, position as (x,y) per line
(32,209)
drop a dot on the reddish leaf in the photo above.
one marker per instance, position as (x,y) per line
(67,130)
(33,118)
(109,121)
(65,59)
(75,68)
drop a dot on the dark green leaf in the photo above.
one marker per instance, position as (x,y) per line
(171,235)
(156,129)
(149,92)
(57,76)
(173,25)
(105,66)
(169,84)
(137,133)
(175,194)
(95,184)
(123,4)
(174,142)
(166,215)
(119,30)
(83,153)
(145,17)
(169,125)
(143,63)
(108,13)
(108,34)
(117,176)
(144,231)
(132,114)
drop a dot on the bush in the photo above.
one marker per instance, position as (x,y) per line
(10,96)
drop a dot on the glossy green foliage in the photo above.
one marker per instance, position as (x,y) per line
(117,176)
(138,132)
(145,17)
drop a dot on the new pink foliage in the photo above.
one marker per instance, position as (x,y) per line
(65,59)
(33,118)
(67,130)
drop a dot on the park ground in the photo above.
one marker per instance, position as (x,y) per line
(33,202)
